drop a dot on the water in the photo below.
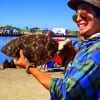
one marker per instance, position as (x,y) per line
(3,41)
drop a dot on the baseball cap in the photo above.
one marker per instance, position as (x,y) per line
(74,3)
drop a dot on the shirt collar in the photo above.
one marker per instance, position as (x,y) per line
(91,40)
(97,35)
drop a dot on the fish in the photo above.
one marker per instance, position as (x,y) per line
(37,48)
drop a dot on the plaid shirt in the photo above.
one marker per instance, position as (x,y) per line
(82,81)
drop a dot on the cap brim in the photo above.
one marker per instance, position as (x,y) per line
(73,4)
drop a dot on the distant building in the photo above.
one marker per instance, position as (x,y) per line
(34,29)
(58,34)
(60,31)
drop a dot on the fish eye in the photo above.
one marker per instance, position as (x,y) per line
(9,48)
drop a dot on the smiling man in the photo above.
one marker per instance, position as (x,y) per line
(82,80)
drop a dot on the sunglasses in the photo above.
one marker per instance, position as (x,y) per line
(83,15)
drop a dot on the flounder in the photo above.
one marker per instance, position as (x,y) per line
(38,48)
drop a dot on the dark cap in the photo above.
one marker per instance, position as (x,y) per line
(74,3)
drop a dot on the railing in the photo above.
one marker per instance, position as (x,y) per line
(64,36)
(20,34)
(17,34)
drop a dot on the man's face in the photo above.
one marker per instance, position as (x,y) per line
(86,21)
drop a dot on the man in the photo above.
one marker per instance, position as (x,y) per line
(82,82)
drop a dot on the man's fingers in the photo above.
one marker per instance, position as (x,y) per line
(67,40)
(15,60)
(21,54)
(62,43)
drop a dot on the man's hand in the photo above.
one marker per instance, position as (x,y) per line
(22,61)
(61,44)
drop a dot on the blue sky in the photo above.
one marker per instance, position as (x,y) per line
(36,13)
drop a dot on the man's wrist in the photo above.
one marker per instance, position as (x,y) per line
(30,65)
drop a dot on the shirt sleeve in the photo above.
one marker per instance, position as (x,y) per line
(81,81)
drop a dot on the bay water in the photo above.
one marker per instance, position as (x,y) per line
(4,40)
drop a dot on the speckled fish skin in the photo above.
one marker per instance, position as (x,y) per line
(39,49)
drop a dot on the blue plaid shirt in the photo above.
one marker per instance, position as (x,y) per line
(82,81)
